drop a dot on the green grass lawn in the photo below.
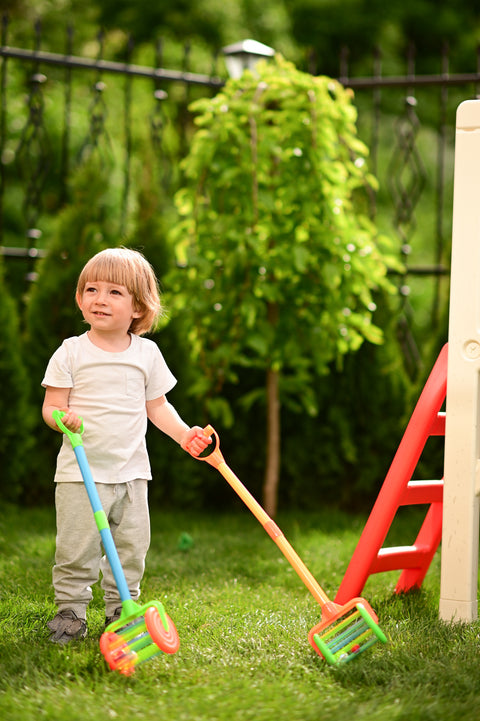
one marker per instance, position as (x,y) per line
(243,618)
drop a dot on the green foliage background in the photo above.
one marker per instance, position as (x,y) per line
(338,456)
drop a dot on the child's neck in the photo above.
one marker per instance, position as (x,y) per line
(110,342)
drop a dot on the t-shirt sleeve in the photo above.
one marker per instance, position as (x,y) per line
(161,380)
(58,373)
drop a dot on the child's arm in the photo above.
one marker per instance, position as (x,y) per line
(57,399)
(164,416)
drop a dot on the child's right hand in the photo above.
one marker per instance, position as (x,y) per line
(70,420)
(194,441)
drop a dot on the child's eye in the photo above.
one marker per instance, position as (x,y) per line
(90,289)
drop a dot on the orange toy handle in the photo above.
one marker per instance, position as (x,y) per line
(216,459)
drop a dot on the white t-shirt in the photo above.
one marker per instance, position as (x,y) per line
(109,391)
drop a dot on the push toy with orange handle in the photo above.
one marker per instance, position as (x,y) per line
(344,631)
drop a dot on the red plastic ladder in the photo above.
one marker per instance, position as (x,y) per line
(399,490)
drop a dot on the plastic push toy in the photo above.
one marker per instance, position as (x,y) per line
(141,632)
(344,631)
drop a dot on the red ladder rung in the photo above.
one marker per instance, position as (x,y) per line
(438,426)
(419,492)
(400,557)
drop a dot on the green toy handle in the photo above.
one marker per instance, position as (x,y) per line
(75,438)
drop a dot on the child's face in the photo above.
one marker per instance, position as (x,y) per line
(107,307)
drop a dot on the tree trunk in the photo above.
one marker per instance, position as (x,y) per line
(272,470)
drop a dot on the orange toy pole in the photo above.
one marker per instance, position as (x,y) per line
(217,460)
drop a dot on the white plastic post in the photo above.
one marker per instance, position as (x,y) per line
(460,534)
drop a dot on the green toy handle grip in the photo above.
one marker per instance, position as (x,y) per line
(75,438)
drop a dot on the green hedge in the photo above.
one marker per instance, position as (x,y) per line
(16,418)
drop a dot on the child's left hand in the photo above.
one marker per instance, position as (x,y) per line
(195,441)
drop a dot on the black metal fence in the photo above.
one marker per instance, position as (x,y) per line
(70,102)
(34,157)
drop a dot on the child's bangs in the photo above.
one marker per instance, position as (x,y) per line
(110,270)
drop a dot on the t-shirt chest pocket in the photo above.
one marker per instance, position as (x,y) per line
(135,386)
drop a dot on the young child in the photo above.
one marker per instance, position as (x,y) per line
(114,380)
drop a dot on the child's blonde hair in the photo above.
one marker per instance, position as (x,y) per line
(130,268)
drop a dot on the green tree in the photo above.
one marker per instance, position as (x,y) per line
(210,23)
(325,26)
(278,261)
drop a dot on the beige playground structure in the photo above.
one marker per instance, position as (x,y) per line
(459,560)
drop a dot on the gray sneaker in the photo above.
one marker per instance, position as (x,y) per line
(66,627)
(116,615)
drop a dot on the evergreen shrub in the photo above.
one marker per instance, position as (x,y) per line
(15,411)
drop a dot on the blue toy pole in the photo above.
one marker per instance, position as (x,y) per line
(102,524)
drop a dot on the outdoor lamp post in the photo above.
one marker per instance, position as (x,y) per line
(245,55)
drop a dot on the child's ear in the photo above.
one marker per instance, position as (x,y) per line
(78,299)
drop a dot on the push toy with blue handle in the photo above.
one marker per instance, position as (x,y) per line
(142,631)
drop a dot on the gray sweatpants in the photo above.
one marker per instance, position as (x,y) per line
(79,555)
